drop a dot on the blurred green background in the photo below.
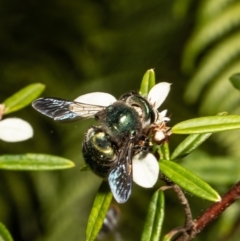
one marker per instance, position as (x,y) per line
(75,47)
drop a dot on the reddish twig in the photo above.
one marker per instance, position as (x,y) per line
(217,208)
(188,214)
(213,212)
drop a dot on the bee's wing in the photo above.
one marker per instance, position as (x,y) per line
(65,110)
(85,106)
(120,177)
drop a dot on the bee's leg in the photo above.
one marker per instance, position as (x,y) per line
(143,145)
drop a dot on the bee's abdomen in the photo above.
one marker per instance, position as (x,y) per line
(99,151)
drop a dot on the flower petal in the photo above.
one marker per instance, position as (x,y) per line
(162,116)
(145,169)
(15,129)
(96,98)
(159,136)
(158,94)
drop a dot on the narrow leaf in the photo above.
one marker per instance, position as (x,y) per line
(22,98)
(208,124)
(217,170)
(235,80)
(167,237)
(189,144)
(188,181)
(4,234)
(148,82)
(164,150)
(99,210)
(153,224)
(34,162)
(84,168)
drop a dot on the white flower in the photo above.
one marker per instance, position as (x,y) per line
(145,169)
(156,97)
(97,98)
(15,129)
(145,166)
(158,94)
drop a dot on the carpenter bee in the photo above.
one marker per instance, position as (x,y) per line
(117,149)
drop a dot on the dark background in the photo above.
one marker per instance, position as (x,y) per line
(76,47)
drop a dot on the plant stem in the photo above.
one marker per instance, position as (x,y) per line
(212,213)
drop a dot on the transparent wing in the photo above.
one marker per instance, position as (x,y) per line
(65,110)
(120,177)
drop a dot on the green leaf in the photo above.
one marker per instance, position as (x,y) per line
(22,98)
(235,80)
(217,170)
(208,124)
(189,144)
(164,151)
(209,66)
(34,162)
(167,237)
(84,168)
(153,225)
(4,234)
(99,211)
(148,82)
(188,181)
(214,29)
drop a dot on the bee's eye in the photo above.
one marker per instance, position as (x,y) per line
(142,107)
(98,151)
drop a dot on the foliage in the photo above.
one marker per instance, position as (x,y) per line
(4,233)
(174,172)
(211,56)
(155,217)
(99,211)
(75,47)
(30,161)
(22,98)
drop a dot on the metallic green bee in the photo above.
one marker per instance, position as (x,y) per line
(117,149)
